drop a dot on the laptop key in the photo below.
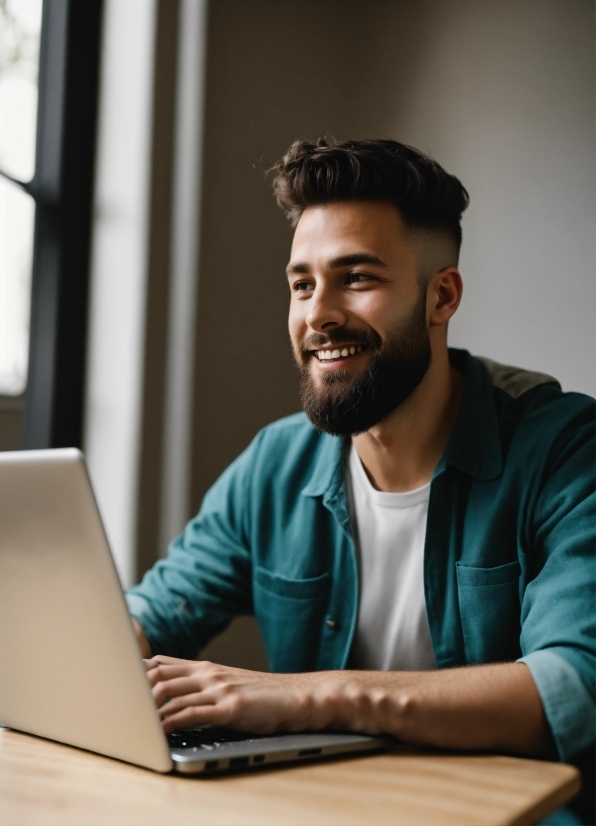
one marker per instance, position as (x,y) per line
(207,738)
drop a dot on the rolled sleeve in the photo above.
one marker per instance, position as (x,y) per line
(205,580)
(568,705)
(558,628)
(140,609)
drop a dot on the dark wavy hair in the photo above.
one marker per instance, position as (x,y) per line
(312,174)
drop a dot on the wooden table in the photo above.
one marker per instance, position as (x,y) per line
(46,783)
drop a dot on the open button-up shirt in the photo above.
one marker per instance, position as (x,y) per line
(509,570)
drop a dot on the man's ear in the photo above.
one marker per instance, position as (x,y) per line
(443,294)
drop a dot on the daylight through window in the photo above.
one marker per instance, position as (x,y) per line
(20,26)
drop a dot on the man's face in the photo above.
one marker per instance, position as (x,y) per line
(357,315)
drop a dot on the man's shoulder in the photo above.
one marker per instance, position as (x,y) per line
(294,430)
(535,394)
(288,426)
(287,439)
(515,381)
(290,454)
(533,411)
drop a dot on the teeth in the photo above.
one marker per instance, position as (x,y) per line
(325,355)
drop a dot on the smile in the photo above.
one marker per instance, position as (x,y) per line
(338,354)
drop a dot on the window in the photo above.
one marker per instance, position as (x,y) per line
(20,27)
(47,146)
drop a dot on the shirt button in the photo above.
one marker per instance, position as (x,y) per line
(331,623)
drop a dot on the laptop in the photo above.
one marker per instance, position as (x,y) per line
(71,670)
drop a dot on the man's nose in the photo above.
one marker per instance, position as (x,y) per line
(325,311)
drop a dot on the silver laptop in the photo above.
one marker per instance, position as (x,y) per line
(70,668)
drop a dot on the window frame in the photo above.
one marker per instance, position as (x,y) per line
(62,188)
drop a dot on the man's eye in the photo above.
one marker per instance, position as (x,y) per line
(302,286)
(357,277)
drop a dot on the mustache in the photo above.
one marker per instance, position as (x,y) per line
(342,335)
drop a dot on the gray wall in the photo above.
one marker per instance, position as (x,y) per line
(501,93)
(275,71)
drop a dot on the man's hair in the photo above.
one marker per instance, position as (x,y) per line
(315,174)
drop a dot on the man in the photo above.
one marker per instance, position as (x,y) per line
(418,546)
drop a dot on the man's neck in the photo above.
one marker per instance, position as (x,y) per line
(402,452)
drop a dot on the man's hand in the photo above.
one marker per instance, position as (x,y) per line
(190,693)
(493,707)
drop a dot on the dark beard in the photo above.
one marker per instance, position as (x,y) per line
(346,406)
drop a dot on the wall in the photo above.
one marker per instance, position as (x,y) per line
(502,94)
(11,422)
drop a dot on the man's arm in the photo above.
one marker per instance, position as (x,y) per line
(494,707)
(190,596)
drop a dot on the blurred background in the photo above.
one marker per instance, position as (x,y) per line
(142,293)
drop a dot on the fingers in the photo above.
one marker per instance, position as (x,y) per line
(179,678)
(163,673)
(164,690)
(194,715)
(199,709)
(160,659)
(176,704)
(188,693)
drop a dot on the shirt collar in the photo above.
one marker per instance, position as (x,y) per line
(475,442)
(473,447)
(327,477)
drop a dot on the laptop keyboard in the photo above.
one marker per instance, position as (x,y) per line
(207,738)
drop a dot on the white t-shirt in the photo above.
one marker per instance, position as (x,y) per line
(389,529)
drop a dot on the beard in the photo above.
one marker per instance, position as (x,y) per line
(346,405)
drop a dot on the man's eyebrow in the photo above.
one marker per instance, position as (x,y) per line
(357,258)
(303,268)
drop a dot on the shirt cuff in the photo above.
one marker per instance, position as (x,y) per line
(139,608)
(567,703)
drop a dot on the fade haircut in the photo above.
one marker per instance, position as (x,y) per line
(314,174)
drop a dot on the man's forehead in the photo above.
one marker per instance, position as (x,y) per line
(348,228)
(344,217)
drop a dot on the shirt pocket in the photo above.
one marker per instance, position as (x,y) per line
(290,614)
(490,612)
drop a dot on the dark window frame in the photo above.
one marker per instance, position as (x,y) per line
(62,188)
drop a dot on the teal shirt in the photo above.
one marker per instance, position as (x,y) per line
(509,570)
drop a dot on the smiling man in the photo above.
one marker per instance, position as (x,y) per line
(417,546)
